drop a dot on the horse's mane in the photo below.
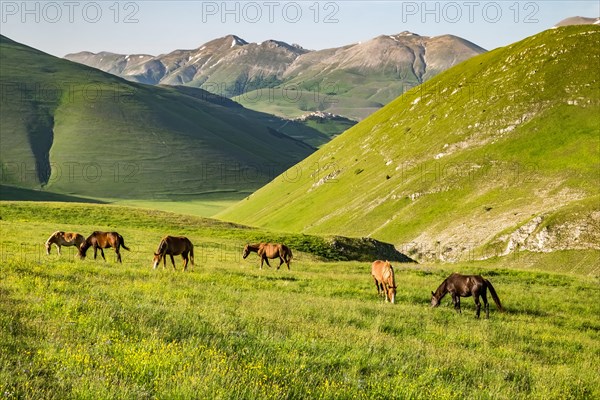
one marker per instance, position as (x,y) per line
(388,273)
(441,291)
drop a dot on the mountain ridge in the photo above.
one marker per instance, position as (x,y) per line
(230,66)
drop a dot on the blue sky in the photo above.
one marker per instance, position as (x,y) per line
(155,27)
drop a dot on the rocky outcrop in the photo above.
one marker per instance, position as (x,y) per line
(366,249)
(541,234)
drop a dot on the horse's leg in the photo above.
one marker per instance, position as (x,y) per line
(95,251)
(456,301)
(477,305)
(281,262)
(173,262)
(58,248)
(118,251)
(267,261)
(102,253)
(385,292)
(486,304)
(185,260)
(377,286)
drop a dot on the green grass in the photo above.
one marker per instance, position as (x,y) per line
(94,329)
(202,208)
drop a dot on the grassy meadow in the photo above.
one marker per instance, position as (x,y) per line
(89,329)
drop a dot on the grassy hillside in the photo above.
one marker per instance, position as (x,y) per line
(72,129)
(476,159)
(94,329)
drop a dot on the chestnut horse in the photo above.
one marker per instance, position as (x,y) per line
(174,246)
(465,286)
(103,240)
(60,238)
(383,274)
(270,250)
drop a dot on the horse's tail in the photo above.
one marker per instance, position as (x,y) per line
(494,295)
(288,254)
(192,253)
(123,243)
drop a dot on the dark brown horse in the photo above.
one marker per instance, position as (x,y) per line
(270,250)
(383,274)
(465,286)
(60,238)
(103,240)
(174,246)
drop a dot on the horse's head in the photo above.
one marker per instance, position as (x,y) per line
(391,292)
(435,301)
(156,260)
(83,249)
(246,251)
(50,241)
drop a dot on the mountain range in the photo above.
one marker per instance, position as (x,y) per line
(288,80)
(498,154)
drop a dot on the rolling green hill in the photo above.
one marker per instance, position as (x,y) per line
(75,130)
(498,154)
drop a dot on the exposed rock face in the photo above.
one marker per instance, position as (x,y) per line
(367,249)
(538,235)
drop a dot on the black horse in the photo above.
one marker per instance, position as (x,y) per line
(465,286)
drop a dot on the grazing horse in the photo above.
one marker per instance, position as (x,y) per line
(60,238)
(383,274)
(270,250)
(103,240)
(465,286)
(174,246)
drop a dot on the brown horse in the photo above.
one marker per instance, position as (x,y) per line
(174,246)
(465,286)
(383,274)
(270,250)
(60,238)
(103,240)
